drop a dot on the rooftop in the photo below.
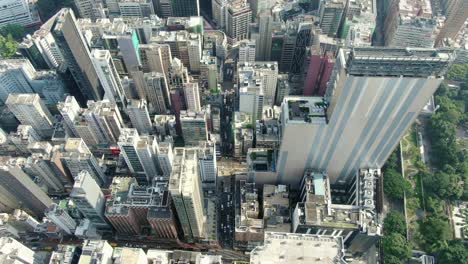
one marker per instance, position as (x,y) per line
(304,109)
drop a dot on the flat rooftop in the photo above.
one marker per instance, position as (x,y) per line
(304,109)
(298,248)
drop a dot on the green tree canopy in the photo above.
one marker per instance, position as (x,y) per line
(8,47)
(435,229)
(458,72)
(395,223)
(455,253)
(395,186)
(445,184)
(16,31)
(396,245)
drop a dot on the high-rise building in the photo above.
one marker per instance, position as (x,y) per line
(165,159)
(139,116)
(136,8)
(108,75)
(186,192)
(12,251)
(76,53)
(194,45)
(247,51)
(15,77)
(192,96)
(77,157)
(331,13)
(96,251)
(354,126)
(266,24)
(185,8)
(90,200)
(318,73)
(267,72)
(163,8)
(283,88)
(239,16)
(29,109)
(410,23)
(128,46)
(251,93)
(147,149)
(15,183)
(194,126)
(157,92)
(219,12)
(456,13)
(156,58)
(41,48)
(70,110)
(19,12)
(105,120)
(61,218)
(85,8)
(207,163)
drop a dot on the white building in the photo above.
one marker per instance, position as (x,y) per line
(207,163)
(246,51)
(105,120)
(165,159)
(186,191)
(12,251)
(70,110)
(266,71)
(61,218)
(239,17)
(251,93)
(29,109)
(136,8)
(139,116)
(108,75)
(96,251)
(194,45)
(20,12)
(192,96)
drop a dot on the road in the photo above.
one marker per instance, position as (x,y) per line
(226,211)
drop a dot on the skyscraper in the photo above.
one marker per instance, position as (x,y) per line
(108,75)
(239,16)
(185,8)
(373,96)
(331,13)
(90,200)
(186,192)
(194,126)
(15,183)
(157,92)
(76,53)
(192,97)
(456,12)
(70,110)
(105,120)
(138,114)
(30,110)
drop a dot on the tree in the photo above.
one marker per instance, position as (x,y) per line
(458,72)
(395,223)
(16,31)
(395,186)
(444,184)
(8,47)
(396,245)
(455,253)
(390,259)
(434,229)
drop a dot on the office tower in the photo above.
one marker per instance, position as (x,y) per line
(107,74)
(178,40)
(30,110)
(258,6)
(89,200)
(76,53)
(136,8)
(156,58)
(456,13)
(70,110)
(178,74)
(192,97)
(186,192)
(138,113)
(139,154)
(96,251)
(283,88)
(355,126)
(410,23)
(266,71)
(246,51)
(165,159)
(15,77)
(105,120)
(251,93)
(194,45)
(157,92)
(266,24)
(16,183)
(77,157)
(85,8)
(128,45)
(163,8)
(239,16)
(219,12)
(132,208)
(24,135)
(185,8)
(41,48)
(319,72)
(61,218)
(13,251)
(194,126)
(331,13)
(19,12)
(207,163)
